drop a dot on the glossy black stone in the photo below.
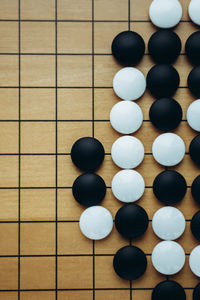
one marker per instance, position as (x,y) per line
(192,48)
(195,189)
(164,46)
(194,150)
(168,290)
(130,262)
(169,187)
(194,82)
(131,221)
(87,154)
(128,48)
(195,225)
(196,293)
(163,81)
(89,189)
(165,114)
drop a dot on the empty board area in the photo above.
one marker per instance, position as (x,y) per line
(56,72)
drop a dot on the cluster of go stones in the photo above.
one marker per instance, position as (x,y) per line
(168,149)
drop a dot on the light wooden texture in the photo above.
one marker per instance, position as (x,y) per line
(77,38)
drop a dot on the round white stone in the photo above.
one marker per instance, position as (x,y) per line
(127,152)
(193,114)
(128,186)
(96,222)
(129,83)
(168,149)
(126,117)
(168,223)
(168,257)
(194,11)
(165,13)
(194,261)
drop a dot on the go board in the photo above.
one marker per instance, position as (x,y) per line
(56,72)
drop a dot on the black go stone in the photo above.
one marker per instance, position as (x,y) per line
(163,80)
(194,82)
(169,187)
(164,46)
(89,189)
(192,48)
(165,114)
(128,48)
(194,150)
(87,154)
(195,225)
(168,290)
(130,263)
(195,189)
(196,293)
(131,221)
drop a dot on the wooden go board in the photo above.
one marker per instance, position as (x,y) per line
(56,73)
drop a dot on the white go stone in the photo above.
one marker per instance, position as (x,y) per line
(129,83)
(128,186)
(168,149)
(96,222)
(194,261)
(193,114)
(168,223)
(126,117)
(168,257)
(194,11)
(165,13)
(127,152)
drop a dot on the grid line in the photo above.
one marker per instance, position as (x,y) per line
(56,144)
(86,289)
(129,14)
(53,187)
(93,134)
(58,154)
(75,120)
(19,191)
(69,54)
(58,221)
(72,255)
(129,28)
(84,21)
(66,87)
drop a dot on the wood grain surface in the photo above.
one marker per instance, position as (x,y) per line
(56,73)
